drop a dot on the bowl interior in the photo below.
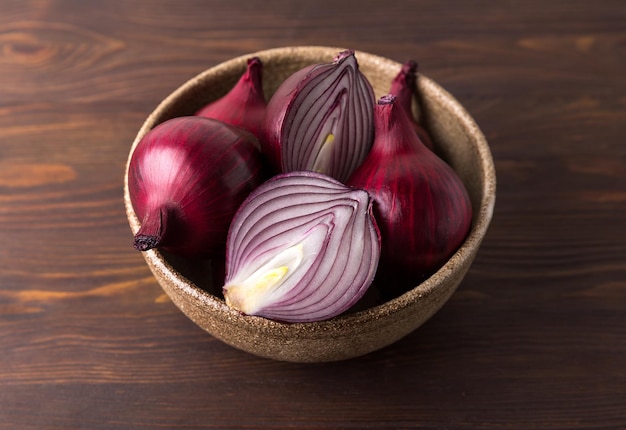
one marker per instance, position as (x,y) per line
(458,140)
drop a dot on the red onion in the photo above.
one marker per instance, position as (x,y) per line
(321,119)
(403,87)
(302,247)
(421,206)
(244,105)
(187,177)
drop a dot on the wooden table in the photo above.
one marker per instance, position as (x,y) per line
(534,338)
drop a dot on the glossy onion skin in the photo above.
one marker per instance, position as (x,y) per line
(421,206)
(244,105)
(327,236)
(314,102)
(187,177)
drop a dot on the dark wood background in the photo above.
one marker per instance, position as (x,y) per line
(533,339)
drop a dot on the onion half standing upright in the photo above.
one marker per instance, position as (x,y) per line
(302,247)
(321,119)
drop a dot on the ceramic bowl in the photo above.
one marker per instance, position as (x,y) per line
(459,141)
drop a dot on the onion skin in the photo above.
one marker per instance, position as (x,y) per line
(403,87)
(321,119)
(420,204)
(187,177)
(244,105)
(302,247)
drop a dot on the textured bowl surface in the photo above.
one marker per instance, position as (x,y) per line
(459,141)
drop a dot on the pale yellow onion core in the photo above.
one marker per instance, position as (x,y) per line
(251,294)
(325,154)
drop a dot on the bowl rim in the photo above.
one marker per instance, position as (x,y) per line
(466,250)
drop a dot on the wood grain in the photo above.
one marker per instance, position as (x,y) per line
(534,337)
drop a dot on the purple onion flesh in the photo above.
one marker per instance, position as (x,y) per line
(321,119)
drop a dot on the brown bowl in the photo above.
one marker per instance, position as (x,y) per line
(459,141)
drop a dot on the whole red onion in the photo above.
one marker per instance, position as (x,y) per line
(187,177)
(420,204)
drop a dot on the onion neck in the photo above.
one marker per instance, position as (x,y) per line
(252,77)
(153,228)
(343,55)
(394,132)
(403,85)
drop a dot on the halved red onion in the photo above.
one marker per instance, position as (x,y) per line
(321,119)
(302,247)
